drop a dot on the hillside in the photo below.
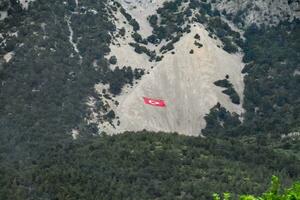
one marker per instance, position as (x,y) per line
(146,166)
(183,74)
(141,52)
(185,82)
(183,79)
(260,12)
(78,80)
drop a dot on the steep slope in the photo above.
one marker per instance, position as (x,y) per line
(141,10)
(171,50)
(185,82)
(184,79)
(145,166)
(267,12)
(55,76)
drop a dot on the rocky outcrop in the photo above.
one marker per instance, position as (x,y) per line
(267,12)
(184,78)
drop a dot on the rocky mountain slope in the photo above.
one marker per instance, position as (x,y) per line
(74,68)
(187,53)
(267,12)
(183,79)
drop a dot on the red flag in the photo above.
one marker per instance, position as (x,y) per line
(154,102)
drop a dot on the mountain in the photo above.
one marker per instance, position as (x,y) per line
(74,74)
(185,80)
(271,13)
(178,51)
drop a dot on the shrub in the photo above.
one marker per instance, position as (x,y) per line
(113,60)
(197,36)
(273,193)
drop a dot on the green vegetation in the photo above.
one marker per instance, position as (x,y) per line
(138,38)
(45,87)
(225,34)
(174,15)
(171,26)
(230,91)
(198,44)
(273,193)
(113,60)
(170,45)
(142,49)
(4,5)
(171,22)
(119,77)
(271,96)
(271,86)
(220,122)
(143,166)
(135,25)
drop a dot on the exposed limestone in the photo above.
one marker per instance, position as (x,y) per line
(8,56)
(25,3)
(140,10)
(3,15)
(268,12)
(185,82)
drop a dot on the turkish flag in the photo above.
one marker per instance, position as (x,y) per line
(154,102)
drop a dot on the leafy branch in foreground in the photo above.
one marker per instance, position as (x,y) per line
(273,193)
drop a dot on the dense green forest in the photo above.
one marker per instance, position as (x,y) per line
(272,81)
(47,83)
(145,166)
(45,86)
(272,97)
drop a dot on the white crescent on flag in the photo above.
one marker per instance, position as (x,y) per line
(154,102)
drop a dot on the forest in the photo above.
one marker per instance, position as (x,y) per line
(145,165)
(271,97)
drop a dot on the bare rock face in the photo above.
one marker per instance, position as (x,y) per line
(186,83)
(6,4)
(267,12)
(25,3)
(140,10)
(185,77)
(184,80)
